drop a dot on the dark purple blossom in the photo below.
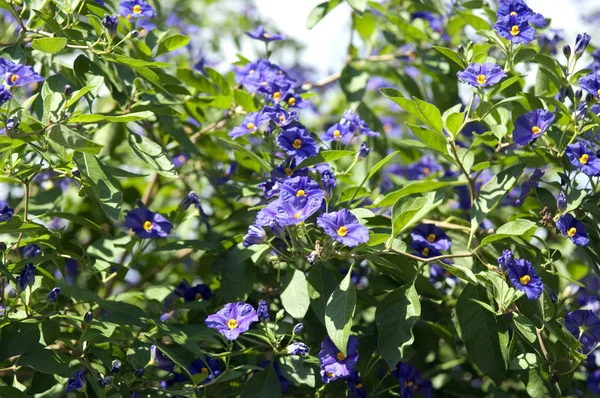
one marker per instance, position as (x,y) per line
(77,383)
(6,213)
(26,276)
(573,228)
(212,368)
(53,295)
(263,311)
(344,227)
(5,94)
(115,366)
(549,41)
(355,385)
(432,236)
(583,159)
(158,359)
(425,167)
(260,34)
(147,224)
(593,382)
(531,125)
(334,364)
(523,277)
(297,142)
(110,22)
(136,9)
(482,75)
(584,325)
(255,236)
(329,182)
(561,202)
(411,381)
(363,151)
(520,10)
(506,259)
(31,250)
(528,185)
(424,249)
(252,122)
(233,319)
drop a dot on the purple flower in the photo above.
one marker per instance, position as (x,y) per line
(293,213)
(523,277)
(329,182)
(518,9)
(195,293)
(506,259)
(338,132)
(26,277)
(280,116)
(298,329)
(299,190)
(136,9)
(77,383)
(297,142)
(515,29)
(260,34)
(363,151)
(432,236)
(424,249)
(232,319)
(549,41)
(581,44)
(591,84)
(5,94)
(267,214)
(181,159)
(593,382)
(435,22)
(18,75)
(255,236)
(356,125)
(583,159)
(147,224)
(482,75)
(425,167)
(528,185)
(212,368)
(158,359)
(584,325)
(297,348)
(264,77)
(263,311)
(355,385)
(30,251)
(561,202)
(531,125)
(334,364)
(115,367)
(6,213)
(252,122)
(344,227)
(110,22)
(53,295)
(573,228)
(410,381)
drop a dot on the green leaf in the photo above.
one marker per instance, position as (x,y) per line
(358,5)
(260,163)
(11,392)
(152,154)
(518,227)
(339,312)
(325,157)
(19,338)
(524,361)
(320,11)
(263,384)
(50,45)
(321,283)
(493,192)
(244,99)
(174,42)
(134,62)
(16,224)
(76,219)
(451,55)
(410,210)
(65,136)
(96,118)
(101,182)
(298,370)
(354,83)
(461,272)
(484,334)
(430,114)
(396,315)
(411,188)
(525,327)
(45,361)
(186,244)
(431,139)
(454,122)
(294,295)
(475,21)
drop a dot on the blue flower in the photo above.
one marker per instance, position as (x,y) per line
(548,42)
(77,383)
(6,213)
(523,277)
(5,94)
(115,366)
(158,359)
(192,293)
(482,75)
(255,236)
(18,75)
(147,224)
(26,277)
(297,142)
(53,295)
(181,159)
(518,9)
(212,368)
(355,385)
(410,381)
(136,9)
(432,236)
(280,116)
(338,132)
(425,167)
(31,250)
(424,249)
(573,228)
(583,159)
(506,259)
(435,22)
(260,34)
(297,348)
(233,319)
(581,44)
(299,190)
(363,151)
(561,202)
(263,311)
(584,325)
(531,125)
(591,84)
(329,182)
(515,29)
(293,213)
(344,227)
(356,125)
(528,185)
(110,22)
(334,364)
(252,122)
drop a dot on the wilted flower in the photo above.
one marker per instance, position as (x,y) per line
(531,125)
(147,224)
(523,277)
(344,227)
(260,34)
(136,9)
(77,383)
(233,319)
(334,364)
(297,348)
(573,228)
(255,236)
(482,75)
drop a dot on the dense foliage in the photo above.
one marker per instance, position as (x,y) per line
(423,222)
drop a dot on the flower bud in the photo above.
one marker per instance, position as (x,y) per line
(87,318)
(68,90)
(280,315)
(297,349)
(363,152)
(581,44)
(561,202)
(53,295)
(263,311)
(566,50)
(299,328)
(116,366)
(134,33)
(578,94)
(312,258)
(460,49)
(139,373)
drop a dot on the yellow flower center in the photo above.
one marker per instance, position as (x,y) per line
(14,78)
(358,386)
(535,129)
(232,324)
(342,231)
(300,193)
(584,158)
(288,172)
(250,126)
(181,158)
(148,225)
(515,30)
(337,135)
(431,238)
(425,251)
(137,9)
(572,231)
(481,79)
(340,356)
(251,71)
(297,215)
(408,384)
(513,14)
(281,118)
(598,92)
(297,144)
(204,371)
(266,35)
(426,171)
(276,95)
(329,374)
(198,296)
(525,279)
(292,101)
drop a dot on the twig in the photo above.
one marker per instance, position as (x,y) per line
(150,188)
(432,259)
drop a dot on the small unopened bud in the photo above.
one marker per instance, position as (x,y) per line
(589,99)
(578,94)
(68,91)
(299,328)
(566,50)
(87,318)
(2,247)
(363,151)
(460,49)
(280,315)
(134,33)
(139,373)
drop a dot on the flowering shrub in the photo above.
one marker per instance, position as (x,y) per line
(421,223)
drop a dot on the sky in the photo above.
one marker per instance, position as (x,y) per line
(326,43)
